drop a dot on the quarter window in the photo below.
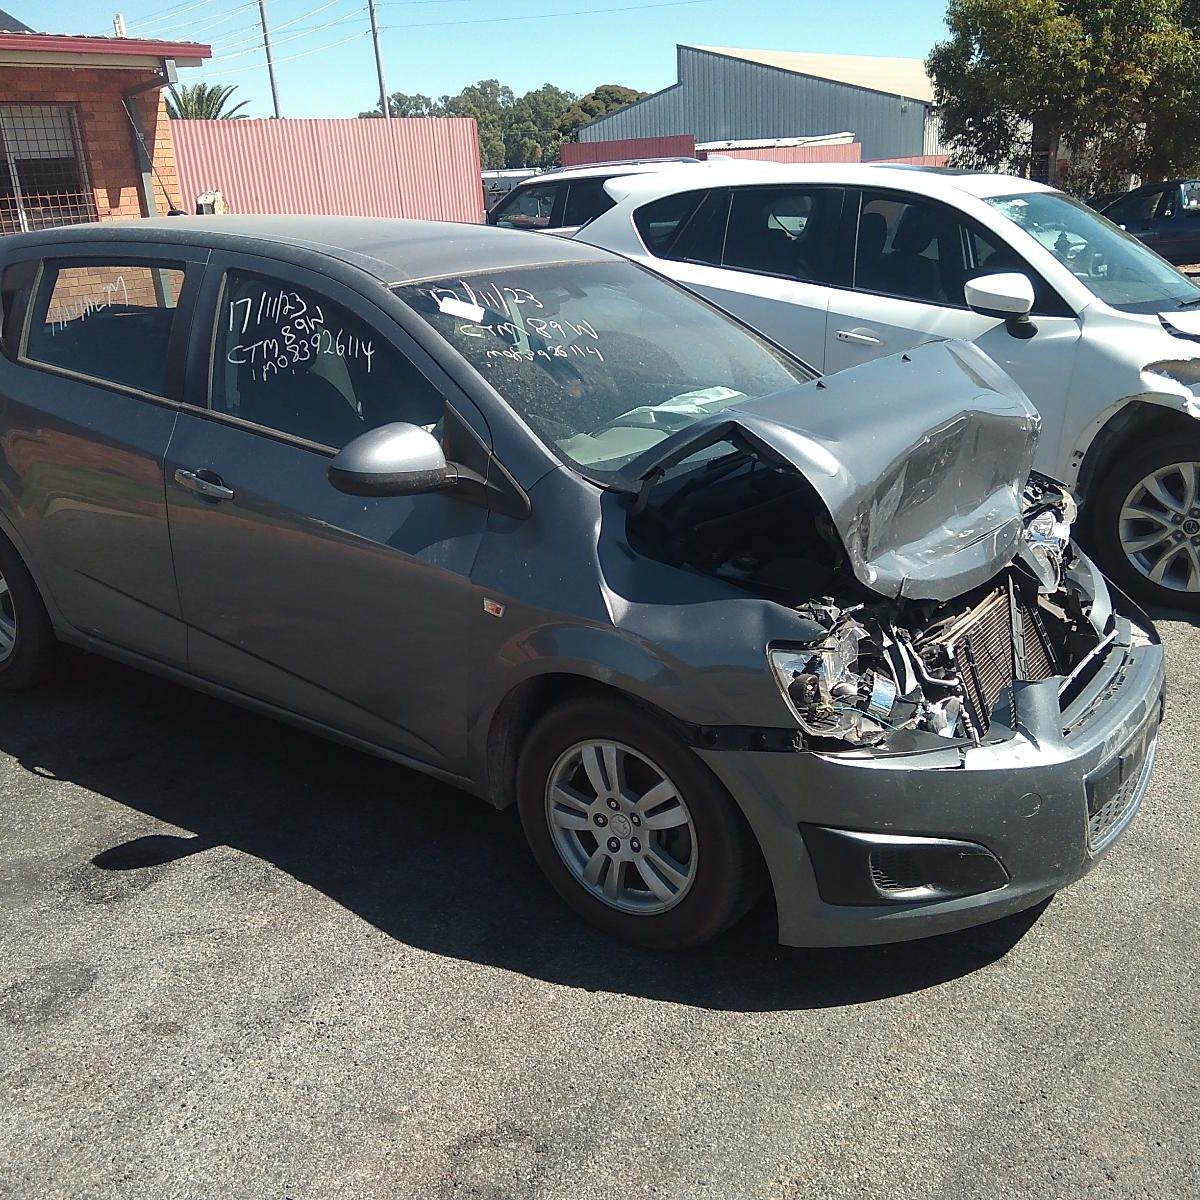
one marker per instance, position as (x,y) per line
(106,321)
(289,359)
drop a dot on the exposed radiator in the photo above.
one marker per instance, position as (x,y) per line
(983,643)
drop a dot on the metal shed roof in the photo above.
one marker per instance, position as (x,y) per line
(895,76)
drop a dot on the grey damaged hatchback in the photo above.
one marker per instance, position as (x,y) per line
(522,515)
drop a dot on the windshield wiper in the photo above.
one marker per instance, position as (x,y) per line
(1189,303)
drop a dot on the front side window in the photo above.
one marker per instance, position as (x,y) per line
(786,231)
(601,360)
(527,208)
(1113,264)
(917,250)
(106,321)
(289,359)
(42,178)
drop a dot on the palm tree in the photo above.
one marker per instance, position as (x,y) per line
(199,102)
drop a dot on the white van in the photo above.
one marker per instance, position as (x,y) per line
(845,262)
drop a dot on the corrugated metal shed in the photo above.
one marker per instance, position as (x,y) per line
(578,154)
(422,167)
(846,152)
(721,97)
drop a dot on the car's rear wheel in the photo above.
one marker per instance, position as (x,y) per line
(632,829)
(28,650)
(1145,521)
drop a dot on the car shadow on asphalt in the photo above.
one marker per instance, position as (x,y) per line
(425,863)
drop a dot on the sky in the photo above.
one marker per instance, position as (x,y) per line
(325,65)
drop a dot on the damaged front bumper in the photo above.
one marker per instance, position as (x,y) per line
(865,847)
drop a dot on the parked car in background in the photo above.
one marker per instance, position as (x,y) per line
(534,520)
(1166,216)
(560,201)
(497,184)
(845,263)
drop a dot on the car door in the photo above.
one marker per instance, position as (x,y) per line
(90,384)
(1139,213)
(348,610)
(767,254)
(1177,224)
(913,256)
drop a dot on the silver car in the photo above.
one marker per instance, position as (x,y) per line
(525,516)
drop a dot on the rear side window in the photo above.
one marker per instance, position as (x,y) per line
(788,231)
(106,321)
(659,221)
(586,199)
(700,237)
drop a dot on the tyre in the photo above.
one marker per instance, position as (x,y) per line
(28,650)
(631,828)
(1144,521)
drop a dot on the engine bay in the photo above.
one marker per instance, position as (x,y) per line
(895,673)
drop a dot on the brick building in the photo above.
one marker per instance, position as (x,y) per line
(84,134)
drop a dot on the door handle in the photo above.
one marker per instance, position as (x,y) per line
(204,483)
(859,337)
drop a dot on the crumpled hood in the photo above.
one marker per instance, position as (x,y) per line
(1183,320)
(920,458)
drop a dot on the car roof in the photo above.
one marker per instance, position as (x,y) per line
(934,182)
(394,251)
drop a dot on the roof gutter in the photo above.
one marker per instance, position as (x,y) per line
(164,77)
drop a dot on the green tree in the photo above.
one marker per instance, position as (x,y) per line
(1018,79)
(200,102)
(607,98)
(403,105)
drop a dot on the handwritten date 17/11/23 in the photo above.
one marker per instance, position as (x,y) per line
(287,331)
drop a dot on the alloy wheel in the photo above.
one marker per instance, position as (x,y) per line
(621,827)
(8,621)
(1160,527)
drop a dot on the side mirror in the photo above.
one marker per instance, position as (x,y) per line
(393,460)
(1008,295)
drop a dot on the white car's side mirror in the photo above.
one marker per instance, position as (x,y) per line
(1007,295)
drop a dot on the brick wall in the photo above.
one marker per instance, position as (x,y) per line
(104,131)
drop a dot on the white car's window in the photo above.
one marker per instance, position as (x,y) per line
(789,231)
(922,251)
(1118,268)
(602,360)
(586,200)
(528,207)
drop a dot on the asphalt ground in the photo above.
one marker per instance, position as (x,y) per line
(237,961)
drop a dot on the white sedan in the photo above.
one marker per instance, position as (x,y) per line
(844,262)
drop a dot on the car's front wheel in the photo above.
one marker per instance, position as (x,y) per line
(1145,521)
(632,829)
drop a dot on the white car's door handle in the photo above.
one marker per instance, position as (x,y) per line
(860,337)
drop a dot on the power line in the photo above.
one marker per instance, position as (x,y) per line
(304,54)
(200,34)
(581,12)
(170,17)
(256,44)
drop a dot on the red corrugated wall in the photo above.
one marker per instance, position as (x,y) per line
(919,160)
(578,154)
(423,167)
(850,152)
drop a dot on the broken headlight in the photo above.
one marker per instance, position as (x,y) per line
(860,683)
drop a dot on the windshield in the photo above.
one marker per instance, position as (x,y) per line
(1114,265)
(601,360)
